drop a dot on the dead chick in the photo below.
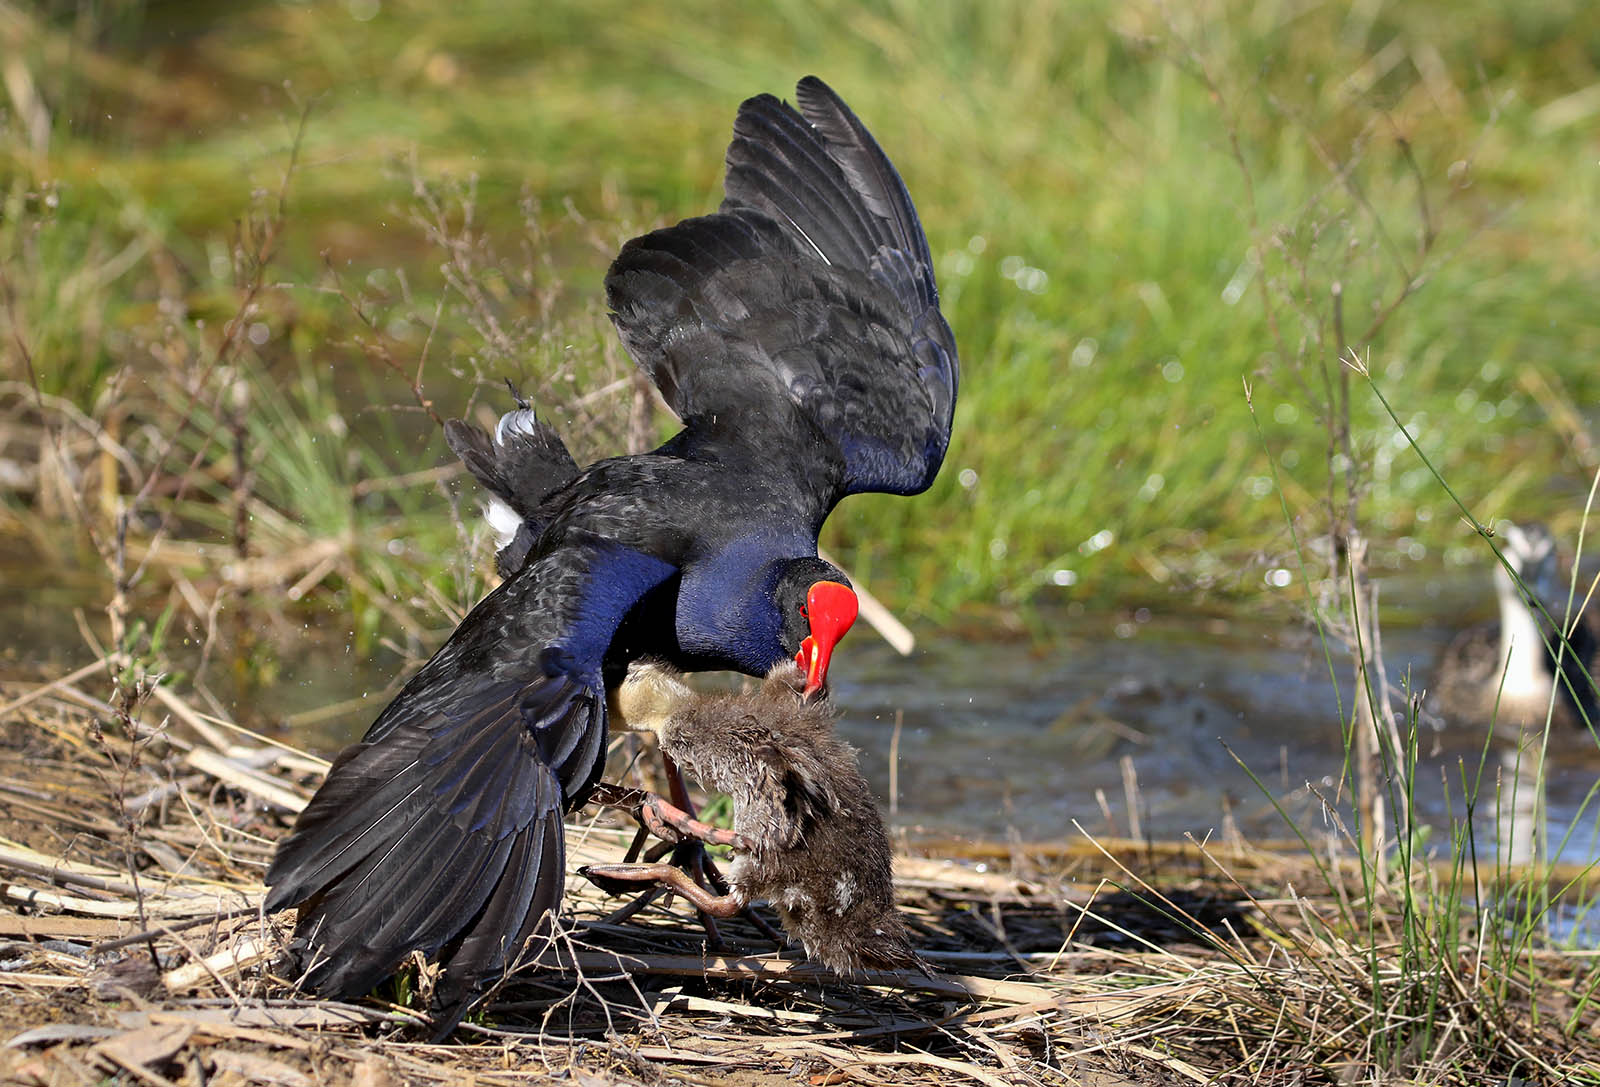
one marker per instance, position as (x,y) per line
(807,836)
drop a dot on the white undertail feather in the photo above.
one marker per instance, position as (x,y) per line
(503,520)
(520,421)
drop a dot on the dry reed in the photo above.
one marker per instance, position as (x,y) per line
(135,951)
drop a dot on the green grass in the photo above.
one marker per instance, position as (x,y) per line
(1075,173)
(1418,912)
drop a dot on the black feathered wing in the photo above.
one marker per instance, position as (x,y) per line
(811,291)
(421,832)
(441,830)
(821,174)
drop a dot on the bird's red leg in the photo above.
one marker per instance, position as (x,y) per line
(657,813)
(673,878)
(632,801)
(681,834)
(673,826)
(654,815)
(692,857)
(702,864)
(666,821)
(616,796)
(676,789)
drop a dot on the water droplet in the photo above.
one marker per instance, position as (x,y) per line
(1098,542)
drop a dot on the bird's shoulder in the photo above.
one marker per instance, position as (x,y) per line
(690,501)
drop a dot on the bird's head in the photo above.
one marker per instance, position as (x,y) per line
(816,606)
(1531,550)
(648,697)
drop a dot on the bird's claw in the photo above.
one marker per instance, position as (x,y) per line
(604,877)
(685,838)
(621,878)
(665,820)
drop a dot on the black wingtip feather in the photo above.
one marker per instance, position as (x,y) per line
(442,836)
(777,165)
(517,911)
(872,175)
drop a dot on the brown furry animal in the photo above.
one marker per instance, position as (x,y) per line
(808,837)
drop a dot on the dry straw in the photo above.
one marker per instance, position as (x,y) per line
(135,952)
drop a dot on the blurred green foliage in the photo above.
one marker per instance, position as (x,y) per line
(1114,193)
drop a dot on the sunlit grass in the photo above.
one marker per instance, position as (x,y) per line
(1075,176)
(1111,193)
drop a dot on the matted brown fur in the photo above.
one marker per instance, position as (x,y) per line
(819,853)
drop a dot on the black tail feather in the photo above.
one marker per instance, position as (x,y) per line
(522,465)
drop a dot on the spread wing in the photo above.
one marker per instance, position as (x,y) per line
(441,830)
(808,301)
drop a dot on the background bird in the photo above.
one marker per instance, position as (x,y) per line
(1513,670)
(796,332)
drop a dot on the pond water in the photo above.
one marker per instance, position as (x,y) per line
(1003,738)
(1016,737)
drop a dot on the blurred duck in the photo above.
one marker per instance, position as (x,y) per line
(807,836)
(1508,670)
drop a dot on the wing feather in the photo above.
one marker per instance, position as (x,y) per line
(440,831)
(810,294)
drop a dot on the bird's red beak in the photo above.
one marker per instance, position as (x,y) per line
(831,609)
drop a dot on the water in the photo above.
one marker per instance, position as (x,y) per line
(1013,737)
(1001,738)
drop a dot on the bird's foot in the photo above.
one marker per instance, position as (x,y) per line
(666,821)
(685,838)
(621,878)
(690,857)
